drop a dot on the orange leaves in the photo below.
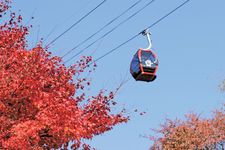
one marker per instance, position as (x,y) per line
(194,133)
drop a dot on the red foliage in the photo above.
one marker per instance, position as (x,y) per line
(193,133)
(38,106)
(4,6)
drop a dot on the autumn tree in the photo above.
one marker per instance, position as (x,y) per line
(194,133)
(222,86)
(43,103)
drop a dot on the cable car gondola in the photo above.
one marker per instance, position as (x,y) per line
(144,64)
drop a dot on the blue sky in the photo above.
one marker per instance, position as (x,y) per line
(190,46)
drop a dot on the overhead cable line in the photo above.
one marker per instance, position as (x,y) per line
(73,25)
(102,28)
(82,7)
(68,18)
(134,14)
(130,39)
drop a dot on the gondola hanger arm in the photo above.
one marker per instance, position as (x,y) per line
(147,34)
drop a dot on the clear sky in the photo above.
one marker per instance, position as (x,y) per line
(190,45)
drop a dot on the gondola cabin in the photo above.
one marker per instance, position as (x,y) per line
(144,65)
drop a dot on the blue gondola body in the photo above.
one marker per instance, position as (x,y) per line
(144,65)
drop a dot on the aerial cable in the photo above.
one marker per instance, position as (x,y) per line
(98,46)
(158,21)
(31,17)
(82,7)
(134,14)
(73,25)
(68,18)
(130,39)
(106,25)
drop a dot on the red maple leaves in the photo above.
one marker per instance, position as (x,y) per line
(43,104)
(194,133)
(4,6)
